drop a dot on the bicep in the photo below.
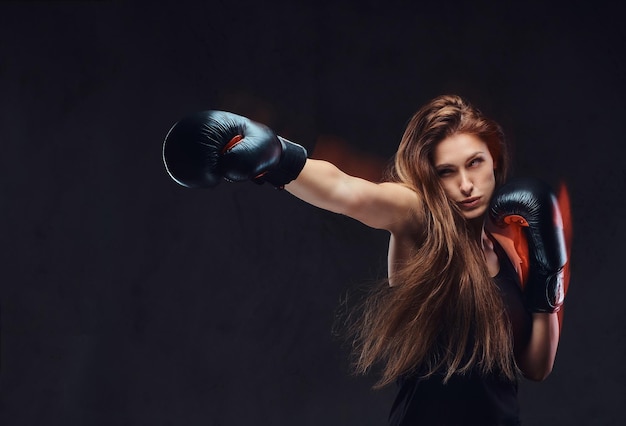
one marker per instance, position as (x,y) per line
(387,205)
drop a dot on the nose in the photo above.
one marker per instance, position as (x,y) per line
(466,185)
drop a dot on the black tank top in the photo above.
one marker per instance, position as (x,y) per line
(470,399)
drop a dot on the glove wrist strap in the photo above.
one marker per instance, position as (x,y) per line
(291,163)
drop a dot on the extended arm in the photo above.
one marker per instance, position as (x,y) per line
(204,148)
(388,206)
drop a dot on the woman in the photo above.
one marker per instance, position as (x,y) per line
(453,326)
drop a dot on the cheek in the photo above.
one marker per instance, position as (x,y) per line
(489,183)
(448,188)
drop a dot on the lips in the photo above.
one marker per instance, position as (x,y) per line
(470,203)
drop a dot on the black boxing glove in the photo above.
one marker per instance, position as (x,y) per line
(205,147)
(531,204)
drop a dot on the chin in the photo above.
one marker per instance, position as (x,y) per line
(477,213)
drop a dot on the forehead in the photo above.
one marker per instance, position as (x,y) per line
(456,149)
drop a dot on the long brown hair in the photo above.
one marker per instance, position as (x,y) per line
(444,314)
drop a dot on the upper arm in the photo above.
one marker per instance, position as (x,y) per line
(387,205)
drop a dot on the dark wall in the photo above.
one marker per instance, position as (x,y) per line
(129,300)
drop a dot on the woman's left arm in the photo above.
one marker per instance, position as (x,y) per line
(537,360)
(531,204)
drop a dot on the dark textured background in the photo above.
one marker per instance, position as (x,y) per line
(128,300)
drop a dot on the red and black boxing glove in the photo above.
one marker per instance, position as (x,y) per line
(531,204)
(204,147)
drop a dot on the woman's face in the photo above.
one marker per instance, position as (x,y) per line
(466,169)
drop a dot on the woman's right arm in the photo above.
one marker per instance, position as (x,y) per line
(387,205)
(203,148)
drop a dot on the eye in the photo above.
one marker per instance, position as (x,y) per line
(476,161)
(444,172)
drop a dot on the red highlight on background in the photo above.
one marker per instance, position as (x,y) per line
(347,158)
(566,215)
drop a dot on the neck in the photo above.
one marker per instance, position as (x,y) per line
(477,227)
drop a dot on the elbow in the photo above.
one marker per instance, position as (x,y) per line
(538,375)
(538,372)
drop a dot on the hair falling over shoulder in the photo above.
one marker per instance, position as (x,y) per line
(444,314)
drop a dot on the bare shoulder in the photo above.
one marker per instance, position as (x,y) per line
(404,206)
(407,232)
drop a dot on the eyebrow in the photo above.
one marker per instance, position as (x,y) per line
(452,165)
